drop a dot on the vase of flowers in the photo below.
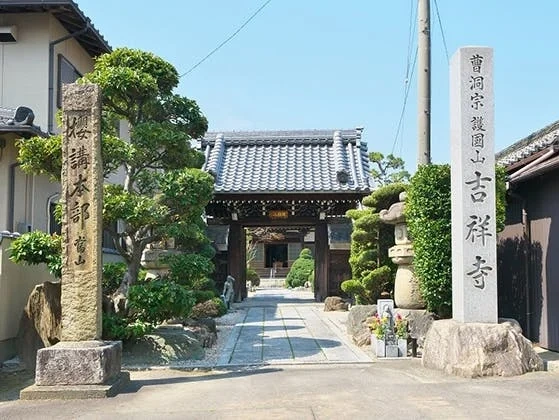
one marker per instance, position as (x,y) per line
(401,331)
(378,328)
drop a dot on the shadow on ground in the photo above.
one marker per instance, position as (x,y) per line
(11,383)
(193,377)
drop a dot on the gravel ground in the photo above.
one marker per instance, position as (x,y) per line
(225,325)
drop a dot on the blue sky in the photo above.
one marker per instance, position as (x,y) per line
(309,64)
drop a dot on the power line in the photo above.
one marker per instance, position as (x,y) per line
(442,31)
(407,79)
(246,22)
(411,35)
(399,127)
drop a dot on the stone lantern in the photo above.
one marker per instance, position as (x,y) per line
(406,286)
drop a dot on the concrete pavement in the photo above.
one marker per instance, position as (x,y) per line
(287,327)
(290,360)
(385,390)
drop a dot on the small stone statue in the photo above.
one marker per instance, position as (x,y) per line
(228,291)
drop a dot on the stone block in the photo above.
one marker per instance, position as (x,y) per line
(356,318)
(335,303)
(78,363)
(479,349)
(74,392)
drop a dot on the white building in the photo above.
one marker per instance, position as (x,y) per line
(43,44)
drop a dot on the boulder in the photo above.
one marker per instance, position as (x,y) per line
(207,309)
(167,344)
(419,322)
(335,303)
(40,322)
(474,350)
(357,325)
(207,322)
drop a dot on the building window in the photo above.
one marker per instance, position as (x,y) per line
(67,73)
(107,242)
(54,225)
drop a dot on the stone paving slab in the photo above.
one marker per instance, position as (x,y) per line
(283,326)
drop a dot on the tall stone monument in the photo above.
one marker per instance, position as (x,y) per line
(474,343)
(81,365)
(474,237)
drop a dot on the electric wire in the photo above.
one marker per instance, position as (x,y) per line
(400,121)
(407,78)
(246,22)
(442,31)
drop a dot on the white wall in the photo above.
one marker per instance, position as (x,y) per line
(24,65)
(16,283)
(24,80)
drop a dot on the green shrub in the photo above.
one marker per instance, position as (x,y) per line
(190,270)
(253,277)
(372,270)
(428,213)
(118,328)
(428,216)
(38,247)
(301,269)
(202,295)
(209,309)
(112,276)
(157,300)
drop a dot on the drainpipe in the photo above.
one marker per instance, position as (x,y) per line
(51,72)
(527,236)
(11,196)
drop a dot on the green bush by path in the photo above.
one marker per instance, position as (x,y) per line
(371,269)
(253,277)
(301,269)
(428,214)
(157,300)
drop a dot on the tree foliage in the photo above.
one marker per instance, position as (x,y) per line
(164,192)
(388,169)
(38,247)
(301,269)
(428,213)
(371,270)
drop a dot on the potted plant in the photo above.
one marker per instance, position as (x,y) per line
(401,331)
(378,328)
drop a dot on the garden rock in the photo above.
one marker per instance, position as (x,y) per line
(335,303)
(207,309)
(474,349)
(167,344)
(357,325)
(419,322)
(207,322)
(40,322)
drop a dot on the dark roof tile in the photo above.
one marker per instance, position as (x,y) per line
(312,161)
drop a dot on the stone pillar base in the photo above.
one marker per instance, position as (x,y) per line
(76,392)
(80,369)
(476,349)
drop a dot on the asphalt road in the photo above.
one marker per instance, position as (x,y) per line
(395,389)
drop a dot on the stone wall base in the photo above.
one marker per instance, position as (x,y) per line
(67,392)
(474,349)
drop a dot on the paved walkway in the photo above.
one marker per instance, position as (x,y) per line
(287,327)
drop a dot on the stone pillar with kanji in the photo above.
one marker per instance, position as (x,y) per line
(81,365)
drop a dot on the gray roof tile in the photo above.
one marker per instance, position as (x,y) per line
(311,161)
(530,145)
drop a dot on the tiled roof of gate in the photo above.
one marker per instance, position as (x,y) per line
(310,161)
(530,145)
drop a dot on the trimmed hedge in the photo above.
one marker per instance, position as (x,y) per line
(301,269)
(428,214)
(371,269)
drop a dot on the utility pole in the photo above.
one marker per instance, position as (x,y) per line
(424,82)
